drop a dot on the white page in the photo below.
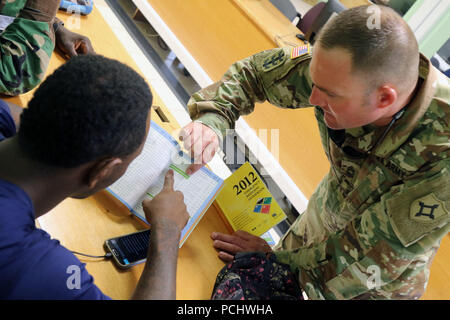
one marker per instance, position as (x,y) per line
(153,162)
(196,188)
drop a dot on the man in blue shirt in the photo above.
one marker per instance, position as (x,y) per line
(81,130)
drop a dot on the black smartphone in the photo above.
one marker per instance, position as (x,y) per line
(130,249)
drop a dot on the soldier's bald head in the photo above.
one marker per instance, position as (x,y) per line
(382,45)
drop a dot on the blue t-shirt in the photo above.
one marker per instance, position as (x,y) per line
(33,266)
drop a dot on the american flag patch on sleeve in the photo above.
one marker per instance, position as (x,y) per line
(299,51)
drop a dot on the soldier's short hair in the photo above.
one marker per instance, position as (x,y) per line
(383,47)
(90,108)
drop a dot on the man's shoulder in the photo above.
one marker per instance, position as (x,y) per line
(34,266)
(284,73)
(424,143)
(439,107)
(420,207)
(44,269)
(433,130)
(16,218)
(435,123)
(7,124)
(275,63)
(13,202)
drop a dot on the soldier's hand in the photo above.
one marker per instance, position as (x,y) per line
(202,143)
(167,211)
(72,44)
(239,241)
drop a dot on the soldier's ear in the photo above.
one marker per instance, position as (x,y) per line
(387,96)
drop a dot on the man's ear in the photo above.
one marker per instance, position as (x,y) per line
(387,96)
(101,170)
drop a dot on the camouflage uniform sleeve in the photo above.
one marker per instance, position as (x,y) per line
(269,75)
(26,46)
(386,252)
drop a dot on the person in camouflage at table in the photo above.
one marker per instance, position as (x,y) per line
(375,222)
(26,45)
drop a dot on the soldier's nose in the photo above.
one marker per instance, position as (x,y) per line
(316,98)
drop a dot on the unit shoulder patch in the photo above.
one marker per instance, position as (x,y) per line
(427,209)
(273,61)
(420,209)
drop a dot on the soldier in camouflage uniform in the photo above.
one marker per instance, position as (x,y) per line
(26,45)
(375,222)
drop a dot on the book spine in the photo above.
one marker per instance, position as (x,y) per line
(223,217)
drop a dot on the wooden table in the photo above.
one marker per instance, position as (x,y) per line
(84,225)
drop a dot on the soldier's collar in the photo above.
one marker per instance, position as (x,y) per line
(355,142)
(414,111)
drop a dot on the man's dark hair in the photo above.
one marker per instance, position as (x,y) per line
(384,53)
(90,108)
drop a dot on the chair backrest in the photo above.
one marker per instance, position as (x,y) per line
(306,22)
(286,8)
(332,7)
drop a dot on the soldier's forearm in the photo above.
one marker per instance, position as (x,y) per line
(258,78)
(40,10)
(221,104)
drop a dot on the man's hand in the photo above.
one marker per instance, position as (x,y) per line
(201,141)
(168,216)
(167,211)
(72,44)
(240,241)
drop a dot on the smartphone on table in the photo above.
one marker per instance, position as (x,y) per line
(130,249)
